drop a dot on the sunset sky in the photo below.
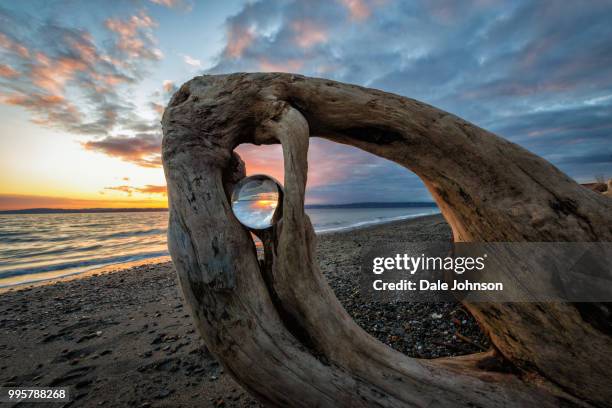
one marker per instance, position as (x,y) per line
(83,85)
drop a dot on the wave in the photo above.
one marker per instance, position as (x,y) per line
(135,233)
(81,264)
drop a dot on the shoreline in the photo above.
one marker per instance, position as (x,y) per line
(106,269)
(117,267)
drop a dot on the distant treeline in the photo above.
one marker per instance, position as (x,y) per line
(124,210)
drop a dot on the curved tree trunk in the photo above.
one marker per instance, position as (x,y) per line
(278,327)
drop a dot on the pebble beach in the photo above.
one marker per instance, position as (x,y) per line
(124,337)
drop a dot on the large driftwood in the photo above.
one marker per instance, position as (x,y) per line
(278,328)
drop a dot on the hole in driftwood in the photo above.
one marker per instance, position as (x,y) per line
(417,329)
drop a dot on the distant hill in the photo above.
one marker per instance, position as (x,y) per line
(128,210)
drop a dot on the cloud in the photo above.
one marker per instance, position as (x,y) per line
(142,149)
(158,108)
(8,72)
(147,189)
(238,39)
(124,189)
(173,4)
(160,99)
(10,45)
(70,81)
(153,189)
(358,9)
(308,33)
(132,36)
(189,60)
(169,86)
(534,72)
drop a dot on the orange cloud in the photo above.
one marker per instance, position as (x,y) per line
(37,100)
(148,189)
(110,79)
(124,189)
(10,45)
(86,50)
(130,39)
(152,189)
(291,65)
(52,75)
(308,34)
(168,85)
(7,72)
(73,84)
(358,9)
(157,108)
(238,39)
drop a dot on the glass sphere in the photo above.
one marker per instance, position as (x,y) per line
(257,201)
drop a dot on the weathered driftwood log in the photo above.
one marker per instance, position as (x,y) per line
(278,328)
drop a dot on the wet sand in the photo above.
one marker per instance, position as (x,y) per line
(124,338)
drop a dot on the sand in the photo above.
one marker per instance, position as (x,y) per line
(124,338)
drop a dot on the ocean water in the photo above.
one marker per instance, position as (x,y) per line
(36,247)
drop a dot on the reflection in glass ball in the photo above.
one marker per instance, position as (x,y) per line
(255,201)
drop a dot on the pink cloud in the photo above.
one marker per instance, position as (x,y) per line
(147,189)
(168,85)
(157,108)
(143,149)
(238,39)
(51,75)
(34,100)
(130,38)
(8,72)
(45,80)
(358,9)
(308,34)
(10,45)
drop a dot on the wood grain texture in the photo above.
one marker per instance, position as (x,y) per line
(277,326)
